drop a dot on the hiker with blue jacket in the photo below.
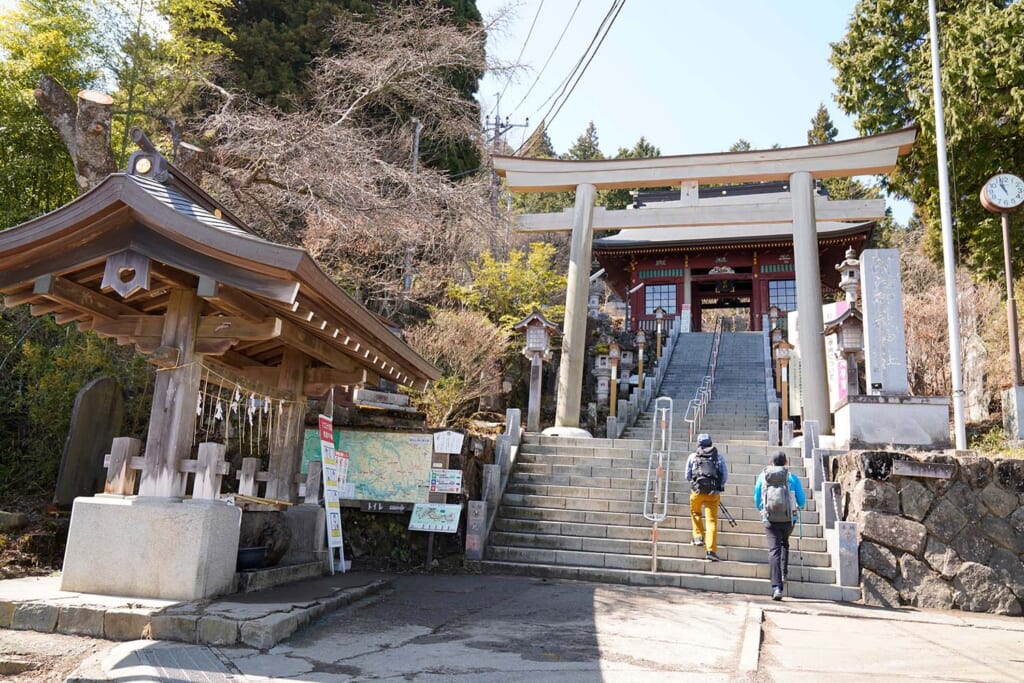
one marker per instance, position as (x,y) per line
(707,473)
(779,496)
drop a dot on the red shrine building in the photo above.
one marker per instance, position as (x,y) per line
(741,269)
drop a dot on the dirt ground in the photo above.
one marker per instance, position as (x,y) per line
(30,657)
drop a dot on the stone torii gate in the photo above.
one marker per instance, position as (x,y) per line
(800,166)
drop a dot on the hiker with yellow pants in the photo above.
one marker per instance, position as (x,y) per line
(707,473)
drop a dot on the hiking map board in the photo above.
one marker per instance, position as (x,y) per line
(388,467)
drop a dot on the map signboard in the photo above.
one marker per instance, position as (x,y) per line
(435,517)
(382,466)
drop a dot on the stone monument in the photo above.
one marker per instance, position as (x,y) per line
(888,415)
(95,421)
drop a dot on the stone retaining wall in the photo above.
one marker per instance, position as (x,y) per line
(951,540)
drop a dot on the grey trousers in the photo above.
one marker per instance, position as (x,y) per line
(778,550)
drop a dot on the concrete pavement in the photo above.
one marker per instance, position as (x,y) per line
(510,629)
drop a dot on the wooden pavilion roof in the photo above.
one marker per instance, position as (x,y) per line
(145,234)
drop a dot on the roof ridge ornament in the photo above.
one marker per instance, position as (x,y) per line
(147,161)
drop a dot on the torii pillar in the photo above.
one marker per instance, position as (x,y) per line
(570,370)
(810,321)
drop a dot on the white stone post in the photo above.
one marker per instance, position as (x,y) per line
(533,407)
(810,322)
(570,371)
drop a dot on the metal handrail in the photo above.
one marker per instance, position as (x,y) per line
(656,509)
(698,405)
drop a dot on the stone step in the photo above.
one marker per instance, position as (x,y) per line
(678,518)
(642,562)
(723,584)
(638,527)
(635,470)
(739,502)
(671,543)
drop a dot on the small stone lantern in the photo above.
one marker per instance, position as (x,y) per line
(782,351)
(641,339)
(659,315)
(849,331)
(538,330)
(849,276)
(614,353)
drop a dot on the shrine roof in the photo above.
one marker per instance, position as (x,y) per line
(276,295)
(759,233)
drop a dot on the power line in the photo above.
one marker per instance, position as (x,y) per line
(523,48)
(580,68)
(560,88)
(550,55)
(549,117)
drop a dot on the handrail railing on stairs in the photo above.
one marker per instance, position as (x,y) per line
(659,467)
(699,403)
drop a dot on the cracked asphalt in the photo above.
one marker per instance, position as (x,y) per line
(511,629)
(501,629)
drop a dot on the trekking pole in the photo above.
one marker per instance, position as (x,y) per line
(800,549)
(728,515)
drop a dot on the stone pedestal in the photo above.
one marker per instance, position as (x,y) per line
(1013,413)
(881,421)
(309,536)
(151,547)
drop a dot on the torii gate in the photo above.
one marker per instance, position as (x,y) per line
(801,166)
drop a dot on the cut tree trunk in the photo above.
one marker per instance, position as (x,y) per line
(84,128)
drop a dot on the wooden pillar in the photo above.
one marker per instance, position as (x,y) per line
(570,372)
(175,393)
(286,441)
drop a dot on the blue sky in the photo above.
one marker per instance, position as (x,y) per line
(692,76)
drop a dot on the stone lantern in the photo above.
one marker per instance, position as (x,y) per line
(538,331)
(849,276)
(641,339)
(614,353)
(659,315)
(781,351)
(849,331)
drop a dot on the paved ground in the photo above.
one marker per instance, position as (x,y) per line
(512,629)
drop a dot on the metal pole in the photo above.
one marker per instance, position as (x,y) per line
(1011,303)
(952,314)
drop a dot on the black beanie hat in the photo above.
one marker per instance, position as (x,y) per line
(779,458)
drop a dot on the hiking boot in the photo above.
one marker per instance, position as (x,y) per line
(697,540)
(713,557)
(777,594)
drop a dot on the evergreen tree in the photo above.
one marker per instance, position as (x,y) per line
(822,129)
(884,78)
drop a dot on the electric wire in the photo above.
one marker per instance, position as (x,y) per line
(560,88)
(577,74)
(550,55)
(523,48)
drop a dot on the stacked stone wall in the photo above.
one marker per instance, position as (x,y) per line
(947,543)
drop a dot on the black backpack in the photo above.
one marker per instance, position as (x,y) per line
(705,475)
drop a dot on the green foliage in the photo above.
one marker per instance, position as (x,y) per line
(823,132)
(620,199)
(507,291)
(37,37)
(156,53)
(884,78)
(41,370)
(822,129)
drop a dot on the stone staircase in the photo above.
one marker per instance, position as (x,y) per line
(573,508)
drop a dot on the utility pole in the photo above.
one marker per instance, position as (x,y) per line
(498,128)
(407,280)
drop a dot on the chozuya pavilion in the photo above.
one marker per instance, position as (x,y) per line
(148,258)
(755,228)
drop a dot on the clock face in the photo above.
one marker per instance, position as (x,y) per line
(1004,191)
